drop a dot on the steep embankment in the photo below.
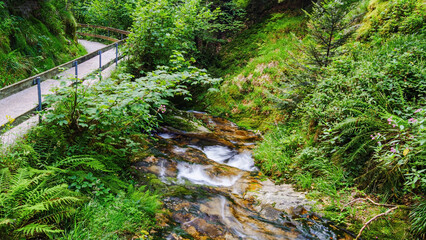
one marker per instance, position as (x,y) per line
(348,133)
(35,36)
(253,66)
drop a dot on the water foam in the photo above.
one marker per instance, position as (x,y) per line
(225,155)
(166,135)
(177,149)
(243,161)
(198,174)
(218,153)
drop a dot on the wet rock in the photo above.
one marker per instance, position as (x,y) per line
(213,191)
(151,159)
(282,197)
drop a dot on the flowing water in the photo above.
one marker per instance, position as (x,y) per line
(224,196)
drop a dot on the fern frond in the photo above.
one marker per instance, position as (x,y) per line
(57,216)
(35,228)
(4,178)
(6,221)
(47,193)
(83,160)
(53,203)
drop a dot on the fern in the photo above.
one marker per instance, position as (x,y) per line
(81,161)
(35,228)
(358,131)
(32,204)
(418,220)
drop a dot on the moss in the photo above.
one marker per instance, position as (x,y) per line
(180,123)
(35,43)
(392,226)
(387,17)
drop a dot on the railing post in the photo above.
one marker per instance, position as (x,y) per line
(100,64)
(39,98)
(76,70)
(116,54)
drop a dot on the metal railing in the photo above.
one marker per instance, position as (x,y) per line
(110,32)
(49,74)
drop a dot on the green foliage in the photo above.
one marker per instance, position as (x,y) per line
(32,205)
(138,103)
(128,215)
(283,154)
(357,122)
(37,42)
(110,13)
(253,65)
(326,26)
(277,151)
(389,17)
(163,26)
(89,184)
(418,220)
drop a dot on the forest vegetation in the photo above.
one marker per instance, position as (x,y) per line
(336,88)
(34,37)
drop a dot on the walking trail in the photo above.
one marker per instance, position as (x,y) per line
(22,102)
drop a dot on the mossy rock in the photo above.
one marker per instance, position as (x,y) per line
(184,121)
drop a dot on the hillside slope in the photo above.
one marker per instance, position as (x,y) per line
(351,130)
(253,66)
(35,36)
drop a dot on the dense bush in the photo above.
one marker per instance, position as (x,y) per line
(138,103)
(109,13)
(161,27)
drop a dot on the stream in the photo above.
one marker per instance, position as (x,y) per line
(216,191)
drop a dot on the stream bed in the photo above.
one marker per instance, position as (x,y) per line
(216,191)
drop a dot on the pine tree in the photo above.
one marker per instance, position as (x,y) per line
(326,26)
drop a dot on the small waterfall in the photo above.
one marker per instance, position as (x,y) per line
(198,174)
(230,221)
(225,198)
(162,173)
(166,135)
(225,155)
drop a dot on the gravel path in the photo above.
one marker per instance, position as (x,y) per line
(22,102)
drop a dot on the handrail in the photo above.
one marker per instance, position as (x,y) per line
(20,119)
(29,82)
(98,36)
(49,74)
(104,28)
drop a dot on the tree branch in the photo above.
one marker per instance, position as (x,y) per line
(369,199)
(374,218)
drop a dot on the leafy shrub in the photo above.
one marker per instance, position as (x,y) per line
(162,26)
(109,13)
(137,104)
